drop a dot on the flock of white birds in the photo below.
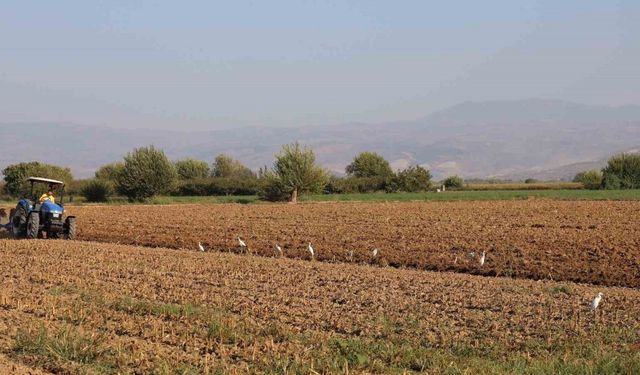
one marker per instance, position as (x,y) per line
(243,246)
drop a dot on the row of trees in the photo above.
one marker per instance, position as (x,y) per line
(147,171)
(295,171)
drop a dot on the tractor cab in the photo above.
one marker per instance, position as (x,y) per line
(42,214)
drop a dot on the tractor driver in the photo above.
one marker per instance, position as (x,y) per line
(48,196)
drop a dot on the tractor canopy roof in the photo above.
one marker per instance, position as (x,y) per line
(45,180)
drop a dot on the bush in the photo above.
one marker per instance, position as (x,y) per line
(74,189)
(412,179)
(530,181)
(611,182)
(622,172)
(97,190)
(15,176)
(225,166)
(346,185)
(453,182)
(189,169)
(589,179)
(334,185)
(273,189)
(109,172)
(147,172)
(217,186)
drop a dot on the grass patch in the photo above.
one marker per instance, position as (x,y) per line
(606,351)
(225,330)
(481,195)
(166,310)
(60,290)
(377,356)
(65,349)
(549,185)
(560,289)
(490,192)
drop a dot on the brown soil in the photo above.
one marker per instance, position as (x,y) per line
(586,241)
(275,311)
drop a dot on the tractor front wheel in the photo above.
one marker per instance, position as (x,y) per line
(33,225)
(70,229)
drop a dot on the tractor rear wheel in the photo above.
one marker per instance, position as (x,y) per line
(33,225)
(70,229)
(18,219)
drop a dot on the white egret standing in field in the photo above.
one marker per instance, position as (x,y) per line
(243,246)
(596,301)
(375,252)
(482,258)
(200,247)
(279,249)
(311,251)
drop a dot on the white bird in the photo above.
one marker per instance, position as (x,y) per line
(350,253)
(311,251)
(375,252)
(482,259)
(596,301)
(200,247)
(241,242)
(279,249)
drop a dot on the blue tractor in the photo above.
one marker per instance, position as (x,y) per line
(33,218)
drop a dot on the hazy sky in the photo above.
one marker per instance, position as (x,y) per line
(222,64)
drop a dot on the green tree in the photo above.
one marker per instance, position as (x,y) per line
(294,172)
(15,176)
(189,169)
(369,164)
(453,182)
(411,179)
(368,172)
(109,172)
(590,179)
(147,172)
(622,172)
(225,166)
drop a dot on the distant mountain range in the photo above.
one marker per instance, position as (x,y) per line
(544,139)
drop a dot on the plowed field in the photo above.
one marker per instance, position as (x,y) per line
(584,241)
(78,307)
